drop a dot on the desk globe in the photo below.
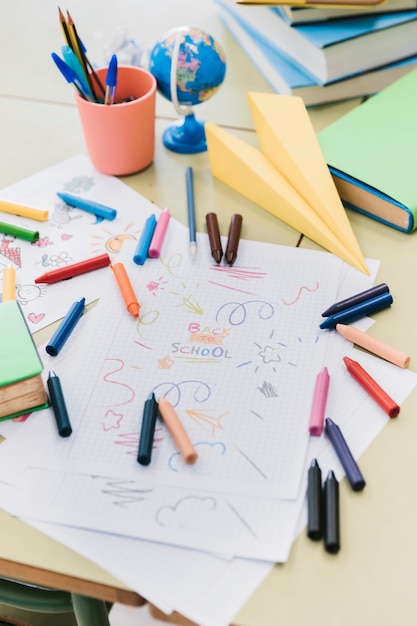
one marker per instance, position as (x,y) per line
(189,66)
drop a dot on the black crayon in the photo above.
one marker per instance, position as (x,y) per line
(331,514)
(314,502)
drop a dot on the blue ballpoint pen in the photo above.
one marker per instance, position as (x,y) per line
(111,81)
(69,75)
(362,309)
(142,248)
(99,210)
(66,327)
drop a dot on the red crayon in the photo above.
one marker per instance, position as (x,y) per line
(75,269)
(371,386)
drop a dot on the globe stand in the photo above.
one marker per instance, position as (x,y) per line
(187,136)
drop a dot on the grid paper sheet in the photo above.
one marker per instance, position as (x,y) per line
(230,348)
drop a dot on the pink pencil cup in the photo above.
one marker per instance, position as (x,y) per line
(120,137)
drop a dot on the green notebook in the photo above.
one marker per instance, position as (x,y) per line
(21,386)
(371,153)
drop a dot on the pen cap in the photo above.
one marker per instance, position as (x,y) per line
(120,137)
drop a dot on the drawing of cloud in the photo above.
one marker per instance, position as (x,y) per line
(208,456)
(186,514)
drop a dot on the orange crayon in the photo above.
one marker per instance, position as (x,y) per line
(177,430)
(376,346)
(126,289)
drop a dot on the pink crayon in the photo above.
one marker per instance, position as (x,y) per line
(319,403)
(159,235)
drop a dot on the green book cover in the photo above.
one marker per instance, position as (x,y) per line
(373,148)
(19,356)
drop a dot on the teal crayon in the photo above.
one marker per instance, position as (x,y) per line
(19,232)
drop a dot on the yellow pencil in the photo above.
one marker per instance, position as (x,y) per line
(24,211)
(9,284)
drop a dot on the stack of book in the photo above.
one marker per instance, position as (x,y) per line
(326,54)
(21,386)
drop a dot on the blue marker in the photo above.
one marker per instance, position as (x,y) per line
(99,210)
(142,248)
(362,309)
(111,81)
(66,327)
(69,75)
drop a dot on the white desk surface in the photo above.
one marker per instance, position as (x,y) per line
(371,581)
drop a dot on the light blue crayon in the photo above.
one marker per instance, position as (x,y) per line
(65,328)
(144,242)
(99,210)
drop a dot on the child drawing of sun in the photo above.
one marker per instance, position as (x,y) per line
(113,243)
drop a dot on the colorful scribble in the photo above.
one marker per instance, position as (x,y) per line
(122,492)
(237,312)
(210,419)
(172,263)
(268,390)
(149,318)
(107,379)
(129,441)
(172,391)
(300,291)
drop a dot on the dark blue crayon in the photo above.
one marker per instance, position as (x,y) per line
(367,307)
(65,328)
(356,299)
(58,405)
(144,242)
(344,454)
(150,411)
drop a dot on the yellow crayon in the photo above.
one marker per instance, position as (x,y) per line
(9,284)
(24,211)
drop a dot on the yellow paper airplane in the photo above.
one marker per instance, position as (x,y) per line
(289,177)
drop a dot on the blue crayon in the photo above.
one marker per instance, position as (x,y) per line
(99,210)
(362,309)
(144,242)
(65,328)
(376,290)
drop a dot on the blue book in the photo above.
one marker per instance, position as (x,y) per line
(328,51)
(286,78)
